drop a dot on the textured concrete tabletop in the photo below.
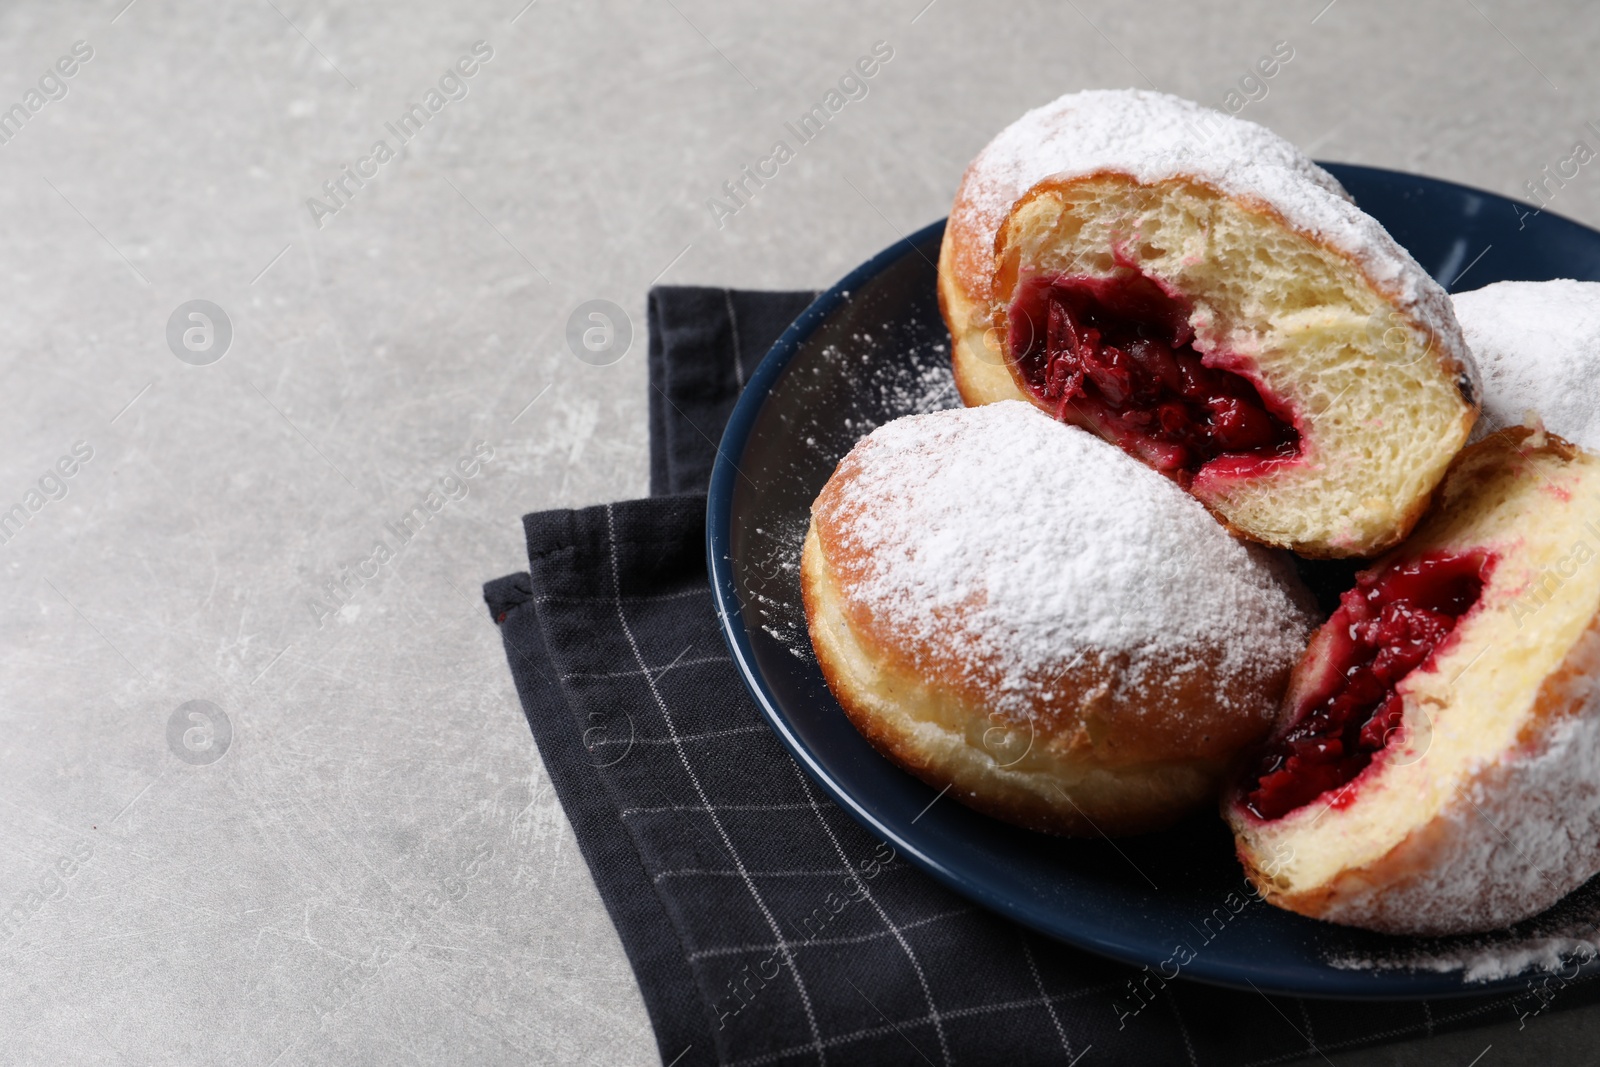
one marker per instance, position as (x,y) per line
(246,820)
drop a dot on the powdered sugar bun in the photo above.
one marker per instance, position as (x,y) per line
(1081,133)
(1271,276)
(1537,345)
(1149,136)
(1011,607)
(1482,805)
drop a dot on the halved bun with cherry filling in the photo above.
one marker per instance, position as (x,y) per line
(1193,289)
(1435,768)
(1015,611)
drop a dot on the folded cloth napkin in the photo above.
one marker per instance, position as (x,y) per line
(764,925)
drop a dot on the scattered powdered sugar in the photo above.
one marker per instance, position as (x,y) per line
(919,385)
(772,582)
(908,378)
(1153,137)
(1537,345)
(897,369)
(1019,544)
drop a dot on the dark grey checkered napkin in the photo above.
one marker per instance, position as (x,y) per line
(765,926)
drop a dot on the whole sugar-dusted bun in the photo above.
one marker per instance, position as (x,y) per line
(1193,289)
(1537,345)
(1437,769)
(1016,610)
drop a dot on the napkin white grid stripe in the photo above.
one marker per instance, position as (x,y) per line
(723,807)
(705,735)
(905,946)
(739,950)
(741,871)
(951,1013)
(1183,1028)
(648,670)
(1033,969)
(694,778)
(567,598)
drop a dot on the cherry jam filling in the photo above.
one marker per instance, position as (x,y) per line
(1392,623)
(1116,356)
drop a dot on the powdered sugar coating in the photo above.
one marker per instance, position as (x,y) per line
(1537,345)
(1017,545)
(1155,137)
(1525,833)
(1147,135)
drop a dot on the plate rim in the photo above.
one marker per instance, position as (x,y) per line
(1395,984)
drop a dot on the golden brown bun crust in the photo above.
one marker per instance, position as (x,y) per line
(1094,756)
(966,256)
(978,364)
(934,726)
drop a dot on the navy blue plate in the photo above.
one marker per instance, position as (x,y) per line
(873,348)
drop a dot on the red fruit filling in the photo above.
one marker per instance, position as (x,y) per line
(1116,356)
(1392,623)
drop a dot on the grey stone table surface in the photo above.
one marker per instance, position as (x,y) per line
(246,820)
